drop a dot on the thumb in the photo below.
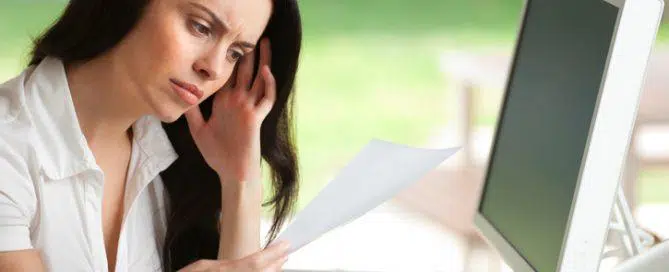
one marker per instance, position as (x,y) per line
(194,119)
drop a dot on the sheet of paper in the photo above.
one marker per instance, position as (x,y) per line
(377,173)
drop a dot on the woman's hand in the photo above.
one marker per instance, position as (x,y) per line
(230,140)
(270,259)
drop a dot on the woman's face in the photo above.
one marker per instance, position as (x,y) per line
(187,42)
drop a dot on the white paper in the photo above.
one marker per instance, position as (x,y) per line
(377,173)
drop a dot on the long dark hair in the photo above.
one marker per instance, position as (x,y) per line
(89,28)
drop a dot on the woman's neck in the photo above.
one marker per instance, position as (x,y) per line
(104,102)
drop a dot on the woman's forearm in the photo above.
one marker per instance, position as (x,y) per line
(240,219)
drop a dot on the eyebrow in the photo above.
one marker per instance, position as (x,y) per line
(221,23)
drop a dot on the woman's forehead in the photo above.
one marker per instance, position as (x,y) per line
(249,17)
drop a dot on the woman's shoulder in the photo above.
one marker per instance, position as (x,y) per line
(18,191)
(16,128)
(17,153)
(12,97)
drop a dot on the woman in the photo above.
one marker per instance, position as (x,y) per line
(99,171)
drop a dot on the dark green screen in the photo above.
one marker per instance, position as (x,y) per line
(545,122)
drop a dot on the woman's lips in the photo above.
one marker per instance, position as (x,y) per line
(188,92)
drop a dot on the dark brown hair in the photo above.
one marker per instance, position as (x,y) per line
(89,28)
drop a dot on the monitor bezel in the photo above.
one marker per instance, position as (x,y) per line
(607,144)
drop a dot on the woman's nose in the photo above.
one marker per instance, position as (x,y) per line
(210,67)
(205,70)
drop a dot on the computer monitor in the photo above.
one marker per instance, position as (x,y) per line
(563,130)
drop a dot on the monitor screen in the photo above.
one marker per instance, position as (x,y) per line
(544,124)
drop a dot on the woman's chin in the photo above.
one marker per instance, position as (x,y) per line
(168,115)
(169,119)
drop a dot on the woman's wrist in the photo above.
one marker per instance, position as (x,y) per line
(241,206)
(238,177)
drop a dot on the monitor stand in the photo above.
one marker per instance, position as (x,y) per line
(641,253)
(634,240)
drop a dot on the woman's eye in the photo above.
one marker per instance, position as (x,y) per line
(236,55)
(200,28)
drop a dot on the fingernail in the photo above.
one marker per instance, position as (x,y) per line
(284,244)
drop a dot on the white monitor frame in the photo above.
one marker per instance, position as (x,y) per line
(607,144)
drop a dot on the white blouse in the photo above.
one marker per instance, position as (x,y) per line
(51,186)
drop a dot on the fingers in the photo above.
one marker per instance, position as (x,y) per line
(194,119)
(270,259)
(267,100)
(246,67)
(265,60)
(278,264)
(269,256)
(202,265)
(245,71)
(263,91)
(265,53)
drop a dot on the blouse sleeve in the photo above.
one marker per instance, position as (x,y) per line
(17,201)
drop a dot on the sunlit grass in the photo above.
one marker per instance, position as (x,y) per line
(654,186)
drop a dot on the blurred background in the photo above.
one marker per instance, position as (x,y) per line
(425,73)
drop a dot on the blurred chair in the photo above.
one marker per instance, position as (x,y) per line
(450,194)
